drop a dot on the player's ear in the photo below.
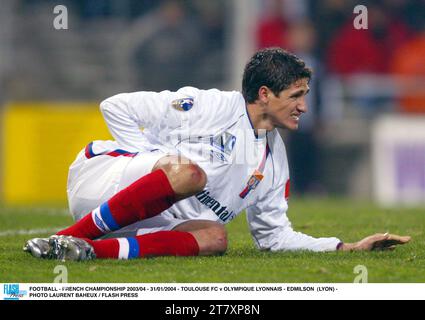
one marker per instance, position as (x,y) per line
(263,94)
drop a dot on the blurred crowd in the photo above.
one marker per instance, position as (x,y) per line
(323,34)
(174,42)
(187,33)
(323,31)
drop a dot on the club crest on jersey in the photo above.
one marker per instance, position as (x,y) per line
(184,104)
(253,182)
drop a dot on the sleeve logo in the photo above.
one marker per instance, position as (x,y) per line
(184,104)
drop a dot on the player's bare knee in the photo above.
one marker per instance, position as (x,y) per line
(217,238)
(186,177)
(195,176)
(220,239)
(212,239)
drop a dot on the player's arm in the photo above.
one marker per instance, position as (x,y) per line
(125,114)
(272,230)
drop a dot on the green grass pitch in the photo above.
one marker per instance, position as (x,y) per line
(243,263)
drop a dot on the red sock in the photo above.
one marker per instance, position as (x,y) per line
(162,243)
(145,198)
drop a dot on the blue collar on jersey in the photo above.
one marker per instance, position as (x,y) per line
(249,118)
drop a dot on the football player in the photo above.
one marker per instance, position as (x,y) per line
(202,158)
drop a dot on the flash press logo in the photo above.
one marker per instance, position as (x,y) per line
(12,292)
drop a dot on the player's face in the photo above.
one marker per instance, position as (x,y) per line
(285,110)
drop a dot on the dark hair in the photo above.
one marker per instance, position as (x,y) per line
(274,68)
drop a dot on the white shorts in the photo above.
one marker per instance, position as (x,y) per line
(93,180)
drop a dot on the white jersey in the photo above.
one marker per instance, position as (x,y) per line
(213,129)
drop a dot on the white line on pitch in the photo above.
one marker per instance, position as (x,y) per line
(29,232)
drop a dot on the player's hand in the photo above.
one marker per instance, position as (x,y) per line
(379,241)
